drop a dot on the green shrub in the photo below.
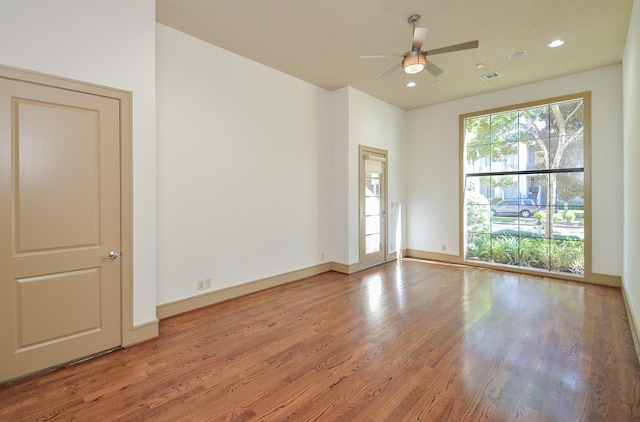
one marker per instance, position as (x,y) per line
(479,246)
(562,254)
(569,216)
(478,226)
(478,212)
(520,248)
(505,250)
(534,253)
(567,256)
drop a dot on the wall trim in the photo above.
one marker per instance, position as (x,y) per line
(432,256)
(358,266)
(141,332)
(593,278)
(188,304)
(604,280)
(343,268)
(180,306)
(633,322)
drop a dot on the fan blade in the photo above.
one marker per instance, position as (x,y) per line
(433,69)
(457,47)
(419,35)
(390,71)
(381,56)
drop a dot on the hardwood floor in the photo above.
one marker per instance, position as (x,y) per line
(403,341)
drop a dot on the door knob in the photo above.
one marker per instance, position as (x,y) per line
(112,255)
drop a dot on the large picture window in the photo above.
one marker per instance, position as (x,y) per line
(524,186)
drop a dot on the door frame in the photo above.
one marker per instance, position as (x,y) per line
(364,151)
(129,334)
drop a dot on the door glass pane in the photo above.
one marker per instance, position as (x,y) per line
(372,224)
(372,186)
(372,243)
(372,205)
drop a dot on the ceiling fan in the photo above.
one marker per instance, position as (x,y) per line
(415,60)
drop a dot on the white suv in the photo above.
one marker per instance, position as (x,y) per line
(522,207)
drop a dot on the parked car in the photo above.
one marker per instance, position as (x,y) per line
(522,207)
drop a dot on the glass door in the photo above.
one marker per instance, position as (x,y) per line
(373,209)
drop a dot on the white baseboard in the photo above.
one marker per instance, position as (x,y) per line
(599,279)
(357,266)
(184,305)
(633,322)
(139,333)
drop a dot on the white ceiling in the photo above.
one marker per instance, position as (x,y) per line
(320,41)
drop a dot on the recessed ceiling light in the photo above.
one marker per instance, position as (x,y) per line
(479,65)
(517,54)
(555,43)
(411,84)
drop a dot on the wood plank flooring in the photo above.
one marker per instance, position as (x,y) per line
(405,341)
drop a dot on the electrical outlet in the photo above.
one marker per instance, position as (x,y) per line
(201,285)
(322,257)
(444,247)
(207,283)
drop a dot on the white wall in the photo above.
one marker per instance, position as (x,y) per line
(240,147)
(631,101)
(108,43)
(374,123)
(339,165)
(433,163)
(257,171)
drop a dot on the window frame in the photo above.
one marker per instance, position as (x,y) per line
(588,274)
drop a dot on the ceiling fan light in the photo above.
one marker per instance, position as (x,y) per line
(414,62)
